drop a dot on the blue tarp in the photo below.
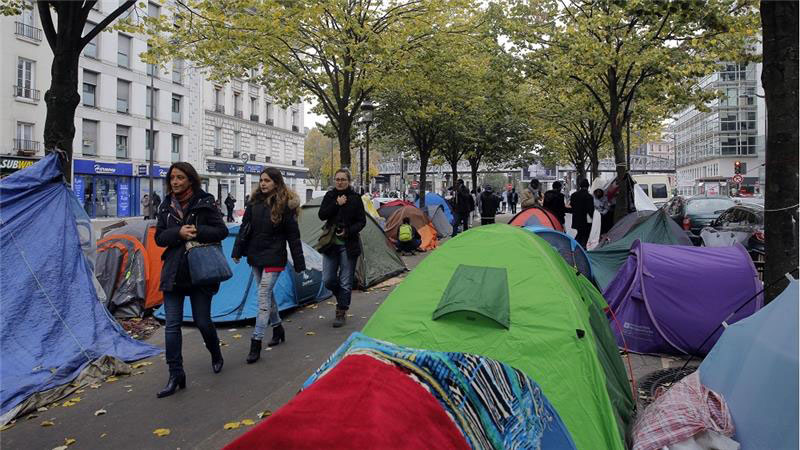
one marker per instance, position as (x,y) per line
(237,298)
(52,324)
(436,199)
(754,365)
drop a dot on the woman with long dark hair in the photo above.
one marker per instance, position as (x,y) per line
(186,214)
(269,223)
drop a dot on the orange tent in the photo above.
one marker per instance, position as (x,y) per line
(418,220)
(537,216)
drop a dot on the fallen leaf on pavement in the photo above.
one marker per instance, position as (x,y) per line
(7,426)
(53,370)
(32,416)
(232,425)
(130,390)
(104,435)
(288,320)
(349,315)
(95,386)
(75,399)
(363,317)
(321,317)
(80,391)
(248,422)
(310,333)
(330,303)
(41,409)
(60,447)
(232,330)
(161,432)
(111,379)
(100,412)
(138,372)
(141,364)
(69,441)
(265,413)
(47,423)
(237,336)
(67,404)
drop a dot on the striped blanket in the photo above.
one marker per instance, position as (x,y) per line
(493,404)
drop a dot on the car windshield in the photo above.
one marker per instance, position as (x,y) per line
(660,190)
(708,205)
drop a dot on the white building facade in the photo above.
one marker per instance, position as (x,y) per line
(112,121)
(242,130)
(710,143)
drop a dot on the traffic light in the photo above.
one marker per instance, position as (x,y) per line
(737,167)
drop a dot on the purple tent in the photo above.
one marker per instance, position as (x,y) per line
(669,298)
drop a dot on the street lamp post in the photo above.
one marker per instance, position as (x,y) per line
(368,107)
(152,143)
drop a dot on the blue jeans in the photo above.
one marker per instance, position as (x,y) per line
(267,307)
(200,299)
(338,271)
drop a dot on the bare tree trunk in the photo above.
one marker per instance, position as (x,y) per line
(474,164)
(62,100)
(780,78)
(424,155)
(343,134)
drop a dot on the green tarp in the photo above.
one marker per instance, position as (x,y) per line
(377,262)
(551,334)
(659,228)
(482,290)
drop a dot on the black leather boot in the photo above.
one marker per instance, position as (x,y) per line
(217,363)
(341,318)
(175,382)
(255,351)
(278,336)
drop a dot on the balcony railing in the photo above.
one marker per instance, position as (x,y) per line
(26,147)
(220,109)
(24,92)
(217,152)
(295,128)
(270,122)
(28,31)
(254,117)
(238,114)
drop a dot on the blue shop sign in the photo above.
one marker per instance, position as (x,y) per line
(100,168)
(223,167)
(253,168)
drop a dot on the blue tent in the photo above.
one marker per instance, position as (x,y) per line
(754,365)
(567,247)
(237,298)
(52,324)
(436,199)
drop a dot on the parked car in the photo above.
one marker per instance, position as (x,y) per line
(695,213)
(743,223)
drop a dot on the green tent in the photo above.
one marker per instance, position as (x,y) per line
(551,333)
(659,228)
(378,261)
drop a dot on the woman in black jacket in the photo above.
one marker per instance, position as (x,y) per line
(186,214)
(343,211)
(270,221)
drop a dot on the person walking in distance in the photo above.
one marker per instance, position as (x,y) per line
(187,214)
(269,223)
(602,206)
(513,199)
(343,212)
(554,201)
(229,203)
(581,204)
(464,205)
(489,204)
(156,203)
(146,206)
(531,196)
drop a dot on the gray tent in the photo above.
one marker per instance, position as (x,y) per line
(439,220)
(378,262)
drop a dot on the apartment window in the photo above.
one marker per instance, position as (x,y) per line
(217,140)
(25,80)
(254,108)
(177,71)
(237,104)
(91,48)
(27,13)
(150,101)
(176,108)
(124,51)
(153,10)
(294,162)
(123,96)
(89,88)
(123,133)
(24,136)
(294,118)
(152,69)
(89,137)
(219,100)
(151,143)
(237,142)
(269,114)
(176,147)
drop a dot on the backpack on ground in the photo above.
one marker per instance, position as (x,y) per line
(406,233)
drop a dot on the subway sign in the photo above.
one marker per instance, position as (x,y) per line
(13,164)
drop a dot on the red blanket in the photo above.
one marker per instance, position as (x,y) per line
(362,403)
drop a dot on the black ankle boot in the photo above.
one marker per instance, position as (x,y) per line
(175,382)
(216,363)
(278,336)
(255,351)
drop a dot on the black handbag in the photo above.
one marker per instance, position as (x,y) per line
(207,264)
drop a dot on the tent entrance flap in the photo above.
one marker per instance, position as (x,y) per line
(481,290)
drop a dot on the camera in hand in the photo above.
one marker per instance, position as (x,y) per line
(339,230)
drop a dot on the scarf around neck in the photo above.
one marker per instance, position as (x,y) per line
(180,202)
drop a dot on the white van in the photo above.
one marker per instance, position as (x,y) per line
(657,186)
